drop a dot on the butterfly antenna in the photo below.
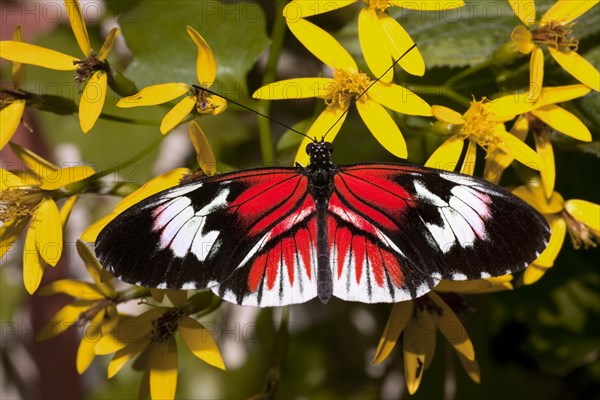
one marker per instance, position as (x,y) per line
(354,100)
(251,109)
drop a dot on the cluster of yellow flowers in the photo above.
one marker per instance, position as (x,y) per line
(29,198)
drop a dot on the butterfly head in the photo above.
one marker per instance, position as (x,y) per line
(320,153)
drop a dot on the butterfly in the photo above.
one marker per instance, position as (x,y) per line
(376,232)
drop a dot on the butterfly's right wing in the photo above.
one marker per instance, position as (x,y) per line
(249,236)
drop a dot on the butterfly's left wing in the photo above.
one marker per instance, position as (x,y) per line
(250,236)
(396,230)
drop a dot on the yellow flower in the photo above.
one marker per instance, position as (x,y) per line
(537,118)
(347,86)
(553,31)
(152,336)
(203,101)
(30,195)
(479,125)
(578,217)
(12,101)
(382,38)
(93,69)
(417,320)
(96,307)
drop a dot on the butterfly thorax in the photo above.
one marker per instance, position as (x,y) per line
(320,171)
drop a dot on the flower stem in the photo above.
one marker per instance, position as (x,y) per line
(264,125)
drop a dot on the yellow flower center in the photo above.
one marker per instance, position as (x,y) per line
(208,103)
(580,233)
(18,203)
(345,87)
(87,67)
(479,124)
(165,326)
(379,5)
(556,35)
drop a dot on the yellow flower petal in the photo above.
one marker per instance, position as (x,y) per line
(153,95)
(446,156)
(10,117)
(90,336)
(153,186)
(579,67)
(468,165)
(73,288)
(200,342)
(558,228)
(400,315)
(383,127)
(566,11)
(524,10)
(533,194)
(400,41)
(78,25)
(18,69)
(48,231)
(9,233)
(414,352)
(374,49)
(33,265)
(108,44)
(177,297)
(324,122)
(302,9)
(125,354)
(543,147)
(471,367)
(65,210)
(429,330)
(206,66)
(475,286)
(108,344)
(64,176)
(163,370)
(536,73)
(563,121)
(35,163)
(533,273)
(447,115)
(559,94)
(137,328)
(63,319)
(204,154)
(92,100)
(523,39)
(322,45)
(439,5)
(399,99)
(520,151)
(498,160)
(94,269)
(177,114)
(452,329)
(298,88)
(585,211)
(508,107)
(35,55)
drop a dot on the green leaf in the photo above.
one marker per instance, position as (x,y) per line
(163,52)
